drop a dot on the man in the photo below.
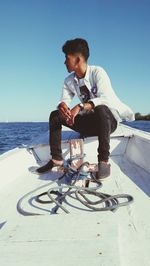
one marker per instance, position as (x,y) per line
(97,113)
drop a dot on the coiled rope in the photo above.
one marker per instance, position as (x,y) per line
(104,203)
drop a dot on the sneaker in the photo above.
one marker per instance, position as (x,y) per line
(103,170)
(47,167)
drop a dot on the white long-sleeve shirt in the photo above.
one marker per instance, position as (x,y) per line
(100,91)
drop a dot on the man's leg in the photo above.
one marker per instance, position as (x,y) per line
(100,123)
(106,124)
(55,127)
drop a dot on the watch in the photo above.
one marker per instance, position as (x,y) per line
(81,105)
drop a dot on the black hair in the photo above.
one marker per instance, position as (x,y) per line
(76,46)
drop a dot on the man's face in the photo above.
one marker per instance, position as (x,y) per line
(71,62)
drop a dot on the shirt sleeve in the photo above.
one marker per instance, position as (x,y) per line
(106,95)
(66,95)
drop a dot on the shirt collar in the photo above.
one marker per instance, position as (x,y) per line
(87,73)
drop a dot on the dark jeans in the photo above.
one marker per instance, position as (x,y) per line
(99,122)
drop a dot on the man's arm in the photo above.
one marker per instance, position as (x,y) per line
(105,93)
(76,109)
(69,115)
(66,95)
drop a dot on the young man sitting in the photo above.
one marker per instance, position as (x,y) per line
(97,113)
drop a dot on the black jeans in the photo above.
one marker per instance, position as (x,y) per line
(99,122)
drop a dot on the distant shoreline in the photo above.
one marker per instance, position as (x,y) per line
(138,116)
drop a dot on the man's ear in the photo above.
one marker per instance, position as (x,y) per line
(77,59)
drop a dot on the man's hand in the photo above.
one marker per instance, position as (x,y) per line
(74,111)
(69,115)
(64,111)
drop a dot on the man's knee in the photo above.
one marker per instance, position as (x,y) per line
(54,115)
(102,110)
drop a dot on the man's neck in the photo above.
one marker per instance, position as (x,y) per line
(81,71)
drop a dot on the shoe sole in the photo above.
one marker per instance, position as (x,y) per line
(101,178)
(50,170)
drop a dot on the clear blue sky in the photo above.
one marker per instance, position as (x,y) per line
(32,68)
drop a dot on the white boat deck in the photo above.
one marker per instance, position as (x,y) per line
(120,238)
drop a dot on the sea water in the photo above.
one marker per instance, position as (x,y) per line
(15,134)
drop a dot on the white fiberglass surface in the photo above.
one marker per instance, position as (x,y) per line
(97,238)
